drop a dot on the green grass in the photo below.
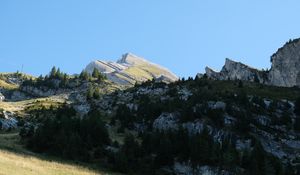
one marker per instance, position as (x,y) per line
(16,160)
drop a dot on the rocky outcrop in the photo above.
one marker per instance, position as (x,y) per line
(285,69)
(235,71)
(8,120)
(131,69)
(166,122)
(2,97)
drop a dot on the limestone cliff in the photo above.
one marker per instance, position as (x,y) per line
(285,69)
(235,71)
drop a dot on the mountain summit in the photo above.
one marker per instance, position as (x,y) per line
(131,69)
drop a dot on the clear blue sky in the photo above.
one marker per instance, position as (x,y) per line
(184,36)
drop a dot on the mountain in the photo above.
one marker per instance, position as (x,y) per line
(284,72)
(194,126)
(131,69)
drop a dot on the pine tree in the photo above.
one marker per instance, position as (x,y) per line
(96,94)
(58,73)
(268,168)
(240,84)
(297,106)
(40,78)
(297,124)
(53,72)
(90,93)
(96,73)
(84,75)
(257,160)
(164,151)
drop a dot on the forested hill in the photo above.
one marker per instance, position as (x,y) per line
(192,126)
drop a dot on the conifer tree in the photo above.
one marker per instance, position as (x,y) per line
(84,75)
(53,72)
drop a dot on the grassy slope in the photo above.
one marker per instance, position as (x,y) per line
(8,86)
(15,160)
(4,83)
(21,107)
(143,72)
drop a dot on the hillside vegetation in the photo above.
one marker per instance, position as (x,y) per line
(156,128)
(193,126)
(15,160)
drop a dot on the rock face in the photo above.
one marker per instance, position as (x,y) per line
(131,69)
(8,121)
(235,71)
(166,121)
(285,69)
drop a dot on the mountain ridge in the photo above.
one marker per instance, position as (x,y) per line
(284,72)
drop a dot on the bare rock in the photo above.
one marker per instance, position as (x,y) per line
(166,122)
(285,69)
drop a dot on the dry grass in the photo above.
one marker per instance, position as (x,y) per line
(15,160)
(21,107)
(6,85)
(138,73)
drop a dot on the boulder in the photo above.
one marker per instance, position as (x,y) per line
(2,97)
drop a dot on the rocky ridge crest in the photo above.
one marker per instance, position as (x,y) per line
(285,69)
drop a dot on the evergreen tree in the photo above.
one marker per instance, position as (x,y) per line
(297,124)
(297,106)
(230,155)
(256,80)
(40,78)
(240,84)
(125,116)
(84,75)
(164,151)
(96,73)
(58,73)
(127,159)
(90,93)
(201,148)
(257,164)
(53,72)
(97,93)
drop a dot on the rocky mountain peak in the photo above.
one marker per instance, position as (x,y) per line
(131,59)
(285,69)
(131,69)
(232,70)
(229,64)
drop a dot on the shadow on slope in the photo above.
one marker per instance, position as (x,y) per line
(15,159)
